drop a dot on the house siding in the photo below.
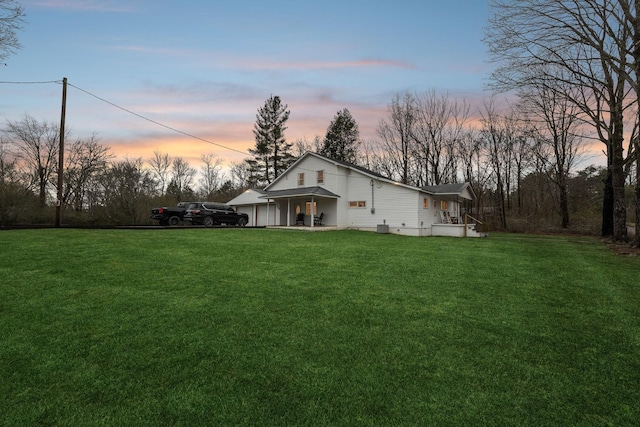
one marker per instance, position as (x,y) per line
(334,181)
(394,205)
(426,216)
(309,166)
(268,214)
(398,206)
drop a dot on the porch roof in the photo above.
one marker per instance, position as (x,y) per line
(299,192)
(450,190)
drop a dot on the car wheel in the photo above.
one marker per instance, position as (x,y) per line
(174,220)
(242,222)
(207,221)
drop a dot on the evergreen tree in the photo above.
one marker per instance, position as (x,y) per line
(342,139)
(272,155)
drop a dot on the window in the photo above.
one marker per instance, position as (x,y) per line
(443,205)
(308,208)
(358,204)
(320,177)
(301,179)
(425,203)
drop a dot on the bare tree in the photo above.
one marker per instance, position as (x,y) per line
(440,123)
(86,161)
(397,141)
(592,40)
(182,175)
(301,146)
(211,175)
(12,192)
(500,135)
(126,188)
(36,144)
(241,175)
(160,164)
(475,169)
(555,121)
(11,21)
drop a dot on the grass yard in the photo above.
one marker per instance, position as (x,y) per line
(273,327)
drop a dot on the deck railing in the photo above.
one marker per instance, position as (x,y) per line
(466,222)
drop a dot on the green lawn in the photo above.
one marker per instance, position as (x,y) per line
(271,327)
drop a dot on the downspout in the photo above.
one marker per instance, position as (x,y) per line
(373,202)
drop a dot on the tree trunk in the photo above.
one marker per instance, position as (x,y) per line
(618,181)
(564,204)
(607,206)
(503,211)
(636,240)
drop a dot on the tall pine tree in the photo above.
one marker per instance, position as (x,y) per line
(272,155)
(342,139)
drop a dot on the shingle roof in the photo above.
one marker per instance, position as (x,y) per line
(295,192)
(445,188)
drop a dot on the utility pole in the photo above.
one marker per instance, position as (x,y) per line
(61,154)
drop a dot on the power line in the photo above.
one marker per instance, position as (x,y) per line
(31,83)
(156,122)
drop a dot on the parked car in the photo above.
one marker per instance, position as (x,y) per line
(170,215)
(210,214)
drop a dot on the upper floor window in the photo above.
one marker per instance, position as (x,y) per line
(301,179)
(320,177)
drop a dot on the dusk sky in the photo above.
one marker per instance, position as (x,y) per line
(204,67)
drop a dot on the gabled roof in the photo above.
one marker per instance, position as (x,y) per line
(296,192)
(440,190)
(347,165)
(450,189)
(248,197)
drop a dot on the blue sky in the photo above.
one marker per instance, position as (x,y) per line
(205,67)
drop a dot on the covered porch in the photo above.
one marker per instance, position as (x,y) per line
(304,207)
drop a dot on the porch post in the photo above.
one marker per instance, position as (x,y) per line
(312,213)
(288,212)
(267,212)
(465,225)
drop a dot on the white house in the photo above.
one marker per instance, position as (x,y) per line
(250,203)
(318,191)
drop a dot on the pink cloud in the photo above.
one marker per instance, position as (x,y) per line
(319,65)
(83,5)
(260,64)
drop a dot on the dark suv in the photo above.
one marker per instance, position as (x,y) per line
(211,214)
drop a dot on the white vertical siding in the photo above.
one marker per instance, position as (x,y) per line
(309,166)
(400,207)
(394,205)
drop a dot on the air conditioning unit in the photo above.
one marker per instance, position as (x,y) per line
(383,228)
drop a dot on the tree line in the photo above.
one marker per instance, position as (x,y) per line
(569,67)
(520,159)
(585,53)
